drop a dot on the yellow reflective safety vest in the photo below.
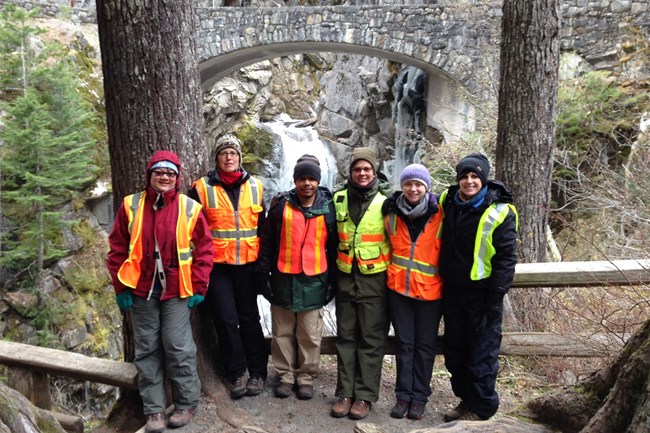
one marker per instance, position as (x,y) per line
(234,232)
(413,269)
(492,217)
(302,243)
(367,243)
(188,213)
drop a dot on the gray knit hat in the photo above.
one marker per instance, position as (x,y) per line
(366,154)
(228,141)
(416,172)
(477,164)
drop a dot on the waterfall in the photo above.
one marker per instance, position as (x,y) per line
(290,142)
(409,110)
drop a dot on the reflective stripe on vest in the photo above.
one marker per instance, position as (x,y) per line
(302,243)
(234,232)
(484,250)
(413,270)
(188,213)
(367,243)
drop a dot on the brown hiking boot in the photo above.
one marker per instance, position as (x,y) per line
(156,423)
(255,386)
(180,417)
(360,409)
(341,407)
(283,390)
(305,392)
(455,413)
(237,387)
(468,415)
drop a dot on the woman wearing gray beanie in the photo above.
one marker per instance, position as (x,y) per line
(413,221)
(477,265)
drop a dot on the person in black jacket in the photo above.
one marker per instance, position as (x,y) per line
(477,265)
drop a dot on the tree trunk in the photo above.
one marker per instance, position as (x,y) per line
(153,102)
(615,399)
(526,129)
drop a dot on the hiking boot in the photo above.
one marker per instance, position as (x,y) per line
(360,409)
(255,386)
(455,413)
(416,411)
(283,390)
(468,415)
(238,388)
(399,409)
(341,407)
(180,417)
(305,392)
(156,423)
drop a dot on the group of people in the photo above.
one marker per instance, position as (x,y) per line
(407,258)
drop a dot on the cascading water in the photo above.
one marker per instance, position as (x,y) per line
(409,110)
(290,142)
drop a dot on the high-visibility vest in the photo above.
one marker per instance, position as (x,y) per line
(367,242)
(188,214)
(234,232)
(413,269)
(302,243)
(484,250)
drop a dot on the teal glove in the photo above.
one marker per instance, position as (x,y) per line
(124,301)
(194,301)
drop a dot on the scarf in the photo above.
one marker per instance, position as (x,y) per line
(230,178)
(474,202)
(412,211)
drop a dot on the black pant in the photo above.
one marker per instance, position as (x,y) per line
(471,347)
(232,300)
(416,331)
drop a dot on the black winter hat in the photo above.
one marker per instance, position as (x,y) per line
(307,166)
(477,164)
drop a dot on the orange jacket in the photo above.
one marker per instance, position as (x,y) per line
(234,232)
(413,269)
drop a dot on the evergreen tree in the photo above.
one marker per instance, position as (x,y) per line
(46,150)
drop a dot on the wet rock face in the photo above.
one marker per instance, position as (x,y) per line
(18,415)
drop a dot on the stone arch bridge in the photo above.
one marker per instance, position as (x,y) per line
(455,41)
(456,45)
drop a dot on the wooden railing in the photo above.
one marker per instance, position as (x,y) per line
(29,366)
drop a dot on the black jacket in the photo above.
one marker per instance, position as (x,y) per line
(458,238)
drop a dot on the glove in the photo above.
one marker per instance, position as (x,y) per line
(124,301)
(262,282)
(491,312)
(194,301)
(330,292)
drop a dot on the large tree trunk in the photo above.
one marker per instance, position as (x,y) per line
(153,102)
(615,399)
(526,129)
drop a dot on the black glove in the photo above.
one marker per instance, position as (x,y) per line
(262,282)
(330,292)
(493,309)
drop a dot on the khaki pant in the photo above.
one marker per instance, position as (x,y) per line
(295,349)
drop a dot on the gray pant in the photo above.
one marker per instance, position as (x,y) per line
(163,338)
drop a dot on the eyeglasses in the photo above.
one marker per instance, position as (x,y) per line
(362,169)
(228,154)
(169,174)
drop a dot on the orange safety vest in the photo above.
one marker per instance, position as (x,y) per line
(413,269)
(234,232)
(302,243)
(188,214)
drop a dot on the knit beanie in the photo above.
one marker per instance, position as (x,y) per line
(307,166)
(165,164)
(477,164)
(228,141)
(366,154)
(416,172)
